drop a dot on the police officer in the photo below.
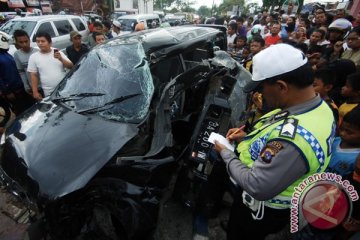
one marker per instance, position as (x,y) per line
(283,147)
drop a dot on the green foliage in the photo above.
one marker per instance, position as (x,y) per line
(204,11)
(227,5)
(188,9)
(161,4)
(174,10)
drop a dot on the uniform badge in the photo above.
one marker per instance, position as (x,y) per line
(270,150)
(281,115)
(289,128)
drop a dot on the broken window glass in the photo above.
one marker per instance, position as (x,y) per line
(114,71)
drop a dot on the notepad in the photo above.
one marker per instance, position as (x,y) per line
(221,139)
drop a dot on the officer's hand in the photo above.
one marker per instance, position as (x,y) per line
(218,146)
(235,134)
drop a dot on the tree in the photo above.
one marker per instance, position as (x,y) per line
(161,4)
(204,11)
(227,5)
(188,9)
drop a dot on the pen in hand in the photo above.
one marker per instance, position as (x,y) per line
(234,133)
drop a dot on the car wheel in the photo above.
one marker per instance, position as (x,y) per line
(103,211)
(96,212)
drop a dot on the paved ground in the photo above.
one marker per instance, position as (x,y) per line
(175,222)
(9,230)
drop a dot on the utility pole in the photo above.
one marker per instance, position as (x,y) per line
(212,9)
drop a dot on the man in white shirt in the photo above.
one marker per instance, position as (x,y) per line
(47,66)
(116,27)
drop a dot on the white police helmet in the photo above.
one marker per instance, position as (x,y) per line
(4,41)
(343,25)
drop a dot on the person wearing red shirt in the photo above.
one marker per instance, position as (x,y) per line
(274,37)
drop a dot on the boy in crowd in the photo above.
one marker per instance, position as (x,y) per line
(347,146)
(314,55)
(257,44)
(22,56)
(99,38)
(351,91)
(98,28)
(323,83)
(107,30)
(239,46)
(245,54)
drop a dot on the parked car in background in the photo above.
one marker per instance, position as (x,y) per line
(58,26)
(128,22)
(98,158)
(88,16)
(174,20)
(116,15)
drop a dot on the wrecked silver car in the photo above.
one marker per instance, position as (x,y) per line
(96,158)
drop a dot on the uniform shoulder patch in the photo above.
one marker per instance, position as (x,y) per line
(289,128)
(270,150)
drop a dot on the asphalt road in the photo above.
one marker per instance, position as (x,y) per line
(175,222)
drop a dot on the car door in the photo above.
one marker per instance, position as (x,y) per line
(43,27)
(63,28)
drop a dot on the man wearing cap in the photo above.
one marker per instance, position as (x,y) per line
(77,49)
(116,26)
(282,148)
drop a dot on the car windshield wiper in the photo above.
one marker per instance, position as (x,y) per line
(115,100)
(77,96)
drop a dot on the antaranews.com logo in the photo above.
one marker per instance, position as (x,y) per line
(323,200)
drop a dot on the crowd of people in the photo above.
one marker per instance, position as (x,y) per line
(33,73)
(306,85)
(304,70)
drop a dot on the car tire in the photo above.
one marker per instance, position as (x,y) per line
(94,213)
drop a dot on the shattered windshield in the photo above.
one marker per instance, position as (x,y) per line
(107,73)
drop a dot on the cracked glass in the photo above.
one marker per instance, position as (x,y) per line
(106,74)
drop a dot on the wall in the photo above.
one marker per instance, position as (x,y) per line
(146,6)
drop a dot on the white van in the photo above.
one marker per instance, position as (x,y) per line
(128,22)
(58,26)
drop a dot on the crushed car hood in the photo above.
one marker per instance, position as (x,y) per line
(80,145)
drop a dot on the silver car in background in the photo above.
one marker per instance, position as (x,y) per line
(58,26)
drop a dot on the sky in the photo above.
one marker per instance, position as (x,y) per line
(207,3)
